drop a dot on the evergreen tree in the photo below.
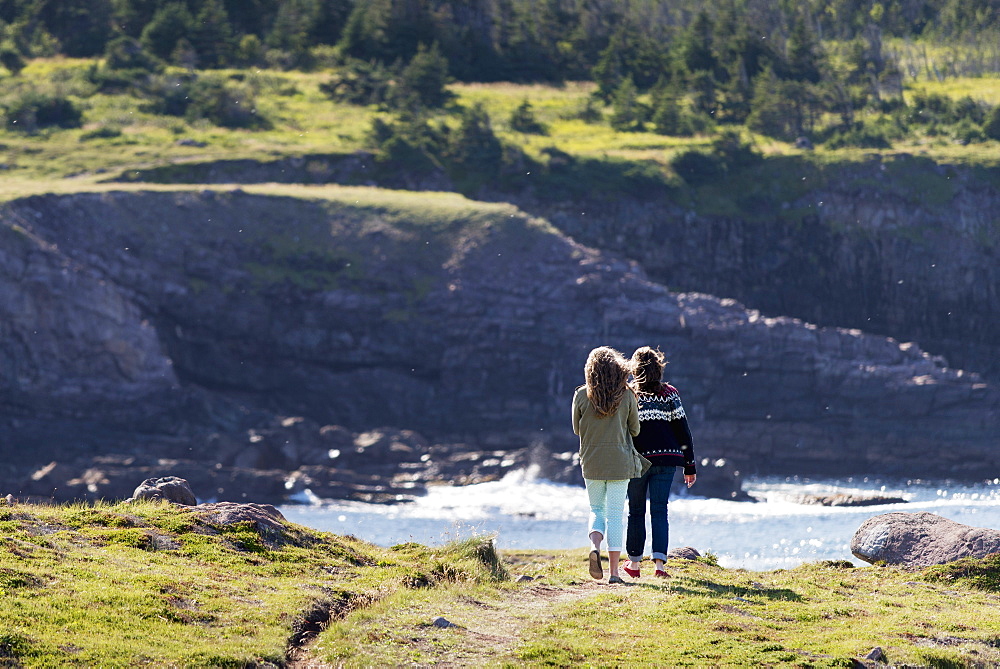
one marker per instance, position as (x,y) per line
(695,47)
(668,111)
(293,27)
(773,113)
(82,27)
(170,23)
(627,114)
(212,36)
(803,52)
(126,53)
(523,120)
(475,151)
(422,83)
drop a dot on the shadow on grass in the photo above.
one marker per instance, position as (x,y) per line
(703,587)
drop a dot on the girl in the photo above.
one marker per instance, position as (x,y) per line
(665,440)
(606,417)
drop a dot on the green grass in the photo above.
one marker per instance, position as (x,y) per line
(117,135)
(152,583)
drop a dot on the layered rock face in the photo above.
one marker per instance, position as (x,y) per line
(907,249)
(188,327)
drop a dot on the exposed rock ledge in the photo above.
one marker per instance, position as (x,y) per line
(171,333)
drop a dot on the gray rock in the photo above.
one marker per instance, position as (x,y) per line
(263,516)
(848,499)
(442,623)
(684,553)
(876,655)
(920,539)
(169,488)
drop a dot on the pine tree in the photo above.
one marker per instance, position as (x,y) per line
(803,52)
(626,115)
(523,120)
(422,83)
(212,36)
(172,22)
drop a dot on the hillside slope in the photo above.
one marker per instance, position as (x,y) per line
(189,325)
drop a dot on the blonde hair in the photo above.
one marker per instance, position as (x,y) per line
(647,369)
(606,373)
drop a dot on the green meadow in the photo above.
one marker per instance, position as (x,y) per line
(154,584)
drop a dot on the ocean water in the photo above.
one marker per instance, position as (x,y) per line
(522,511)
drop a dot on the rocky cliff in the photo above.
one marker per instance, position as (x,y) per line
(264,342)
(900,246)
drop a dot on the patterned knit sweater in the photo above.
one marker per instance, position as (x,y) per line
(664,436)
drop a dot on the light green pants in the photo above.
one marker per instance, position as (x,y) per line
(607,508)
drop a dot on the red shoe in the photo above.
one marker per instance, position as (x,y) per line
(661,573)
(634,573)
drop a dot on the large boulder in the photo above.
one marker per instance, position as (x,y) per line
(171,488)
(920,539)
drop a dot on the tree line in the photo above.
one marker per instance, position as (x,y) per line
(483,40)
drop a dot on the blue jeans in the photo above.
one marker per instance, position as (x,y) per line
(655,484)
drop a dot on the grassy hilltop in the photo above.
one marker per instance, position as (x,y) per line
(154,584)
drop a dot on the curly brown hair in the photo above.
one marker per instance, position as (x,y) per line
(607,373)
(647,369)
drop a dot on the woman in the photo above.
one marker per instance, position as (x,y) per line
(665,440)
(605,415)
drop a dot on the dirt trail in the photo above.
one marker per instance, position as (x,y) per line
(492,628)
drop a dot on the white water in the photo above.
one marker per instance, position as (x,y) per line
(775,533)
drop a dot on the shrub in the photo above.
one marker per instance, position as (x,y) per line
(32,109)
(697,167)
(992,126)
(860,135)
(11,59)
(226,104)
(358,82)
(169,94)
(968,132)
(409,141)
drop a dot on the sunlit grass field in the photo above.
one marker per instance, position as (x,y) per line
(150,583)
(118,133)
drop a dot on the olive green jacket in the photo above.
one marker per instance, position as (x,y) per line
(606,450)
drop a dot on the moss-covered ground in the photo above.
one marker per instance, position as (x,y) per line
(149,583)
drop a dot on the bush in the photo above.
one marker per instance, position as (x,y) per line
(698,167)
(31,110)
(169,95)
(226,104)
(733,152)
(409,141)
(992,126)
(967,132)
(861,136)
(11,59)
(358,83)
